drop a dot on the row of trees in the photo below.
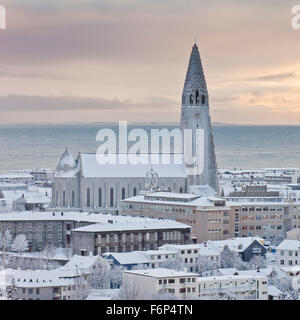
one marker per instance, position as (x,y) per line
(12,254)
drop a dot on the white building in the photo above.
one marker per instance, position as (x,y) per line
(240,287)
(161,280)
(288,253)
(56,284)
(190,254)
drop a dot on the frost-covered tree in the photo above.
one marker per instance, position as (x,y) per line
(274,236)
(116,277)
(101,276)
(257,261)
(11,290)
(129,291)
(174,264)
(20,243)
(5,243)
(231,259)
(204,264)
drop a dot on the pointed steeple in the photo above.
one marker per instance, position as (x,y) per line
(195,84)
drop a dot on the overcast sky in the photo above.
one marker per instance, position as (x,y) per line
(108,60)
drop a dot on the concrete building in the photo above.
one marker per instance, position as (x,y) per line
(161,280)
(44,228)
(125,237)
(210,217)
(83,183)
(253,217)
(239,287)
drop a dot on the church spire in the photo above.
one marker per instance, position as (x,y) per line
(195,90)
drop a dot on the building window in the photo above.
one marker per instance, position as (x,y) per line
(123,193)
(203,99)
(134,192)
(100,197)
(111,197)
(181,190)
(88,197)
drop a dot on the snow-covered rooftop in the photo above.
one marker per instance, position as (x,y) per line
(91,168)
(162,273)
(289,245)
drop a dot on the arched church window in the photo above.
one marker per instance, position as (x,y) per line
(111,197)
(73,199)
(88,197)
(64,198)
(197,97)
(123,193)
(134,192)
(191,99)
(56,197)
(203,99)
(100,197)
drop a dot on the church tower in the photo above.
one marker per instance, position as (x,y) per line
(195,119)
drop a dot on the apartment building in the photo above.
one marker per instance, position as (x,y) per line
(190,254)
(288,253)
(252,218)
(49,284)
(237,287)
(161,280)
(146,234)
(210,217)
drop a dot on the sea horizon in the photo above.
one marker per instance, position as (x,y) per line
(237,146)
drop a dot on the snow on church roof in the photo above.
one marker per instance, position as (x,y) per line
(92,169)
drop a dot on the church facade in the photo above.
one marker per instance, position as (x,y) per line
(84,184)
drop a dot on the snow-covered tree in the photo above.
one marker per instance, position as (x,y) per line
(116,277)
(11,290)
(20,243)
(257,261)
(204,265)
(174,264)
(5,243)
(129,291)
(101,276)
(231,259)
(274,236)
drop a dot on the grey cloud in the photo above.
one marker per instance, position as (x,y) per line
(41,103)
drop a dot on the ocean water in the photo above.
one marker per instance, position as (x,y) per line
(25,147)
